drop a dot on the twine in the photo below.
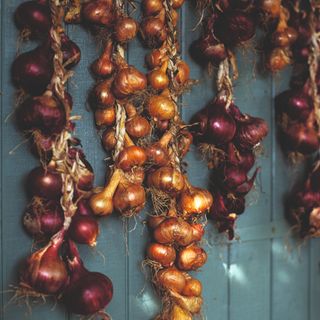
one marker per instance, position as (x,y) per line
(224,83)
(314,58)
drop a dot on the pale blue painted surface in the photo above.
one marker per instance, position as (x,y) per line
(266,275)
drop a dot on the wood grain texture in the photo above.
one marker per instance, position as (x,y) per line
(264,275)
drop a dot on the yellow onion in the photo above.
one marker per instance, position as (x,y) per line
(161,107)
(130,157)
(183,72)
(163,254)
(125,29)
(129,198)
(138,127)
(167,179)
(174,231)
(102,94)
(171,279)
(152,7)
(195,200)
(193,288)
(128,81)
(108,139)
(157,78)
(154,221)
(191,258)
(177,313)
(99,12)
(157,153)
(101,203)
(153,31)
(103,66)
(105,117)
(156,57)
(191,304)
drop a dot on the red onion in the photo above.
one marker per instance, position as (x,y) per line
(44,271)
(43,218)
(234,27)
(71,52)
(87,292)
(84,229)
(32,71)
(221,126)
(208,49)
(34,17)
(307,199)
(44,183)
(200,122)
(43,113)
(233,176)
(296,104)
(83,208)
(301,139)
(250,132)
(243,159)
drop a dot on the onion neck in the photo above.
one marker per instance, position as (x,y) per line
(111,187)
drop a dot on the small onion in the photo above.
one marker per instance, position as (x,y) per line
(161,108)
(98,12)
(125,29)
(171,279)
(130,157)
(191,258)
(165,255)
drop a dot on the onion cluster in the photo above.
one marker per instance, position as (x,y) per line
(227,25)
(58,212)
(281,34)
(177,204)
(296,107)
(116,85)
(303,210)
(228,139)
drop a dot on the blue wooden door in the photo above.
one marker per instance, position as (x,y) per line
(264,275)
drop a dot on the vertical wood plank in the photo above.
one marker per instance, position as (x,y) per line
(314,279)
(249,280)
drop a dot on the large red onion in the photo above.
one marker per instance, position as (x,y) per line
(234,27)
(243,159)
(43,113)
(43,218)
(34,17)
(300,138)
(208,49)
(250,132)
(84,229)
(297,104)
(44,271)
(221,126)
(44,183)
(32,71)
(87,292)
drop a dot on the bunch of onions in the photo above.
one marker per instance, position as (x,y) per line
(177,204)
(60,187)
(303,210)
(227,25)
(228,139)
(281,35)
(296,108)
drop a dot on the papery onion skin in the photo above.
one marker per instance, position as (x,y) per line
(191,258)
(129,198)
(193,288)
(125,29)
(165,255)
(167,179)
(171,279)
(44,271)
(138,127)
(98,12)
(44,219)
(174,230)
(250,132)
(161,108)
(44,183)
(130,157)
